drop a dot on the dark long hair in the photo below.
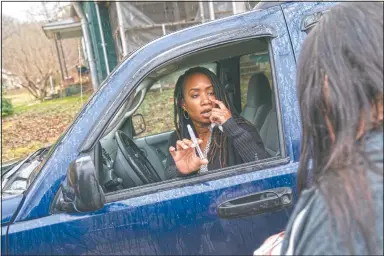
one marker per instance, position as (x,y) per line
(340,76)
(220,141)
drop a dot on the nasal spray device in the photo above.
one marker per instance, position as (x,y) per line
(195,142)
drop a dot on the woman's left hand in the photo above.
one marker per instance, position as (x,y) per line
(219,115)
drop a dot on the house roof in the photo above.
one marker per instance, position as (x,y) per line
(67,28)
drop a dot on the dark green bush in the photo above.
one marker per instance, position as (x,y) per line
(6,107)
(6,104)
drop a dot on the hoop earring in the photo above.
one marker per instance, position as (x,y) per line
(186,117)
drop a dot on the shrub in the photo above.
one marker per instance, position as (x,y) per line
(6,105)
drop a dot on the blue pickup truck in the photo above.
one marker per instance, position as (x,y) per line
(101,188)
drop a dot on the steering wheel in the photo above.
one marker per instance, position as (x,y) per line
(136,159)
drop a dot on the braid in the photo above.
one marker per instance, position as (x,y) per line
(220,141)
(178,118)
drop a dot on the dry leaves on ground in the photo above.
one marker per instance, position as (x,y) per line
(28,131)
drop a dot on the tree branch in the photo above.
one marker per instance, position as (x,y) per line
(30,83)
(30,90)
(29,55)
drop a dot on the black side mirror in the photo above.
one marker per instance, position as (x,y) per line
(139,125)
(83,193)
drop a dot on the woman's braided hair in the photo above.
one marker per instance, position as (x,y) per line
(220,141)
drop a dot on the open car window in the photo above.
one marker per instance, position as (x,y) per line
(143,126)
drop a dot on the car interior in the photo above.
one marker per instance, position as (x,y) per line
(134,148)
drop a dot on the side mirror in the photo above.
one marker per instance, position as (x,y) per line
(83,193)
(139,125)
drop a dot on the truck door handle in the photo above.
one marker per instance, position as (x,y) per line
(257,203)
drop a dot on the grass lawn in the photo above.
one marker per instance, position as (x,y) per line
(157,110)
(20,97)
(71,103)
(36,124)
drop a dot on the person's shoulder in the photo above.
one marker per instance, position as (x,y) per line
(313,202)
(310,226)
(317,232)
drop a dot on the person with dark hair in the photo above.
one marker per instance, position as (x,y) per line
(225,138)
(340,90)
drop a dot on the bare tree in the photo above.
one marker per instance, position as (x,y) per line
(67,48)
(44,11)
(29,54)
(8,27)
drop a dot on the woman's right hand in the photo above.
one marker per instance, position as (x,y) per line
(185,156)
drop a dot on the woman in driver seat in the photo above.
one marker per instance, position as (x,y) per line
(224,137)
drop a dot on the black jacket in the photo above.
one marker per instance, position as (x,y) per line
(244,145)
(316,232)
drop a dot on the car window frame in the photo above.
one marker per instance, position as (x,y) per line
(221,173)
(99,130)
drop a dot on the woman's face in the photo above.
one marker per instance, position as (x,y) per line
(198,90)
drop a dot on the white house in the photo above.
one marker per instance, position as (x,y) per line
(9,80)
